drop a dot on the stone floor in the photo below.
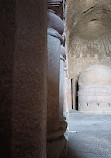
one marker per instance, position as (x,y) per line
(89,136)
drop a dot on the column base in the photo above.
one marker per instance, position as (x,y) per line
(60,132)
(56,142)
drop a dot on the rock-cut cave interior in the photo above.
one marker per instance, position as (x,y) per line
(55,79)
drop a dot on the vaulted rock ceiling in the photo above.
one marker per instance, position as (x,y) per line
(88,31)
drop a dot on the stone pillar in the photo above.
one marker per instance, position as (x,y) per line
(7,50)
(68,99)
(23,67)
(61,87)
(75,93)
(55,29)
(62,82)
(55,131)
(53,83)
(67,102)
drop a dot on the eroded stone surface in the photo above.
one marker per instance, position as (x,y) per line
(29,81)
(88,34)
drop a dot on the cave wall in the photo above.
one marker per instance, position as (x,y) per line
(88,34)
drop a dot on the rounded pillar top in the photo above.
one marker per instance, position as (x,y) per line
(95,74)
(55,22)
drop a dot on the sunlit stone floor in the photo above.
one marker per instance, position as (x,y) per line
(89,136)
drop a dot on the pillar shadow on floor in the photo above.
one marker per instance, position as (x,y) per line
(72,153)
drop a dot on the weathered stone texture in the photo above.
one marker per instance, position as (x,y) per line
(29,89)
(7,49)
(88,33)
(23,64)
(77,65)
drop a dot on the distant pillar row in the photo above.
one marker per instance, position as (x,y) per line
(62,82)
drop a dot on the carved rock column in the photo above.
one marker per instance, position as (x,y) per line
(23,79)
(23,64)
(54,49)
(68,99)
(29,83)
(62,82)
(7,50)
(55,130)
(53,82)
